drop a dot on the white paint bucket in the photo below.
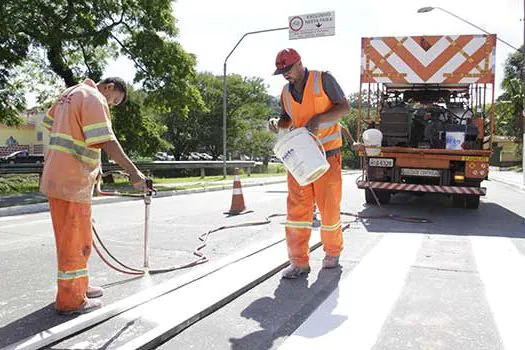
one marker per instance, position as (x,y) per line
(372,139)
(455,139)
(303,155)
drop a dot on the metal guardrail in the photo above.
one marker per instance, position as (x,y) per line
(143,166)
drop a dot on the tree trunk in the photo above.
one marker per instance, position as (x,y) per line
(54,55)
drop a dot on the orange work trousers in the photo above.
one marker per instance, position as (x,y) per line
(326,192)
(73,238)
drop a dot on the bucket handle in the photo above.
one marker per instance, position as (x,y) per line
(316,139)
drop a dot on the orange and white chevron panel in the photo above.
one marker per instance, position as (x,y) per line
(447,59)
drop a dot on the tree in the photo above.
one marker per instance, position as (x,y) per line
(509,104)
(76,39)
(248,110)
(136,127)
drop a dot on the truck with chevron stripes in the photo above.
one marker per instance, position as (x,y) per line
(432,99)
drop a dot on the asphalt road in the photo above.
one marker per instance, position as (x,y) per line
(458,287)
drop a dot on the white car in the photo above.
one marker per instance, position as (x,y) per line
(163,156)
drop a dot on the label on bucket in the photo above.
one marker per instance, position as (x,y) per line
(293,162)
(455,140)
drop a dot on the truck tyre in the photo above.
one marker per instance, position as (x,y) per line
(472,202)
(382,195)
(458,201)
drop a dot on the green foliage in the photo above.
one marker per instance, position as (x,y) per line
(350,158)
(509,105)
(14,184)
(136,128)
(43,42)
(248,110)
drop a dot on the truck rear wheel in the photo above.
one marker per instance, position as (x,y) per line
(465,201)
(458,201)
(382,195)
(472,202)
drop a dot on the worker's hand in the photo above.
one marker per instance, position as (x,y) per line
(280,124)
(273,125)
(138,180)
(358,147)
(313,125)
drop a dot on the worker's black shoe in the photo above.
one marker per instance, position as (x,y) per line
(88,306)
(94,292)
(293,271)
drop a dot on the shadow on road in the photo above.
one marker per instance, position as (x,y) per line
(31,324)
(490,219)
(292,304)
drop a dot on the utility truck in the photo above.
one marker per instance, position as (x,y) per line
(432,99)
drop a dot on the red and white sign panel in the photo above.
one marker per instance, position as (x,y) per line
(447,59)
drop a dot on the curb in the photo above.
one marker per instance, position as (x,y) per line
(44,207)
(508,183)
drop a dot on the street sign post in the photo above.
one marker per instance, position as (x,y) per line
(312,25)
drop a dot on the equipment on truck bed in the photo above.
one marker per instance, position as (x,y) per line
(428,97)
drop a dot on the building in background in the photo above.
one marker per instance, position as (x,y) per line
(30,136)
(505,151)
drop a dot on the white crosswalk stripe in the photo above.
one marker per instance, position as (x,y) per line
(502,269)
(355,312)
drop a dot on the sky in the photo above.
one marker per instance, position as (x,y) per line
(210,29)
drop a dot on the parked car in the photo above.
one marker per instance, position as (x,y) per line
(22,156)
(205,156)
(195,156)
(274,159)
(163,156)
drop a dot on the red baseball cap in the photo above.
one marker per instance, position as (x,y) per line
(285,60)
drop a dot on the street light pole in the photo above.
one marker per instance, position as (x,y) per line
(224,92)
(430,8)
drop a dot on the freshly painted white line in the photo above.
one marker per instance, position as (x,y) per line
(355,312)
(82,322)
(206,295)
(502,267)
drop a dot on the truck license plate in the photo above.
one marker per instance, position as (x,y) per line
(381,162)
(420,172)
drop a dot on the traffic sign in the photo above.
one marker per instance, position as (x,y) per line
(312,25)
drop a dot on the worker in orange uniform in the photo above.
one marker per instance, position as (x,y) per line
(312,99)
(80,126)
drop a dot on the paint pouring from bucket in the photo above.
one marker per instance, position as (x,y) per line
(303,155)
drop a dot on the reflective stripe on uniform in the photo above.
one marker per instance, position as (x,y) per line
(96,133)
(317,83)
(326,125)
(331,137)
(47,122)
(287,101)
(65,143)
(333,227)
(298,224)
(71,275)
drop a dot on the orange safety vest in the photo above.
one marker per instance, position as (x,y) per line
(79,122)
(315,101)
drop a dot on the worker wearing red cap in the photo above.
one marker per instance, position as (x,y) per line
(312,99)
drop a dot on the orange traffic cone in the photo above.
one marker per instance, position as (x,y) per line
(237,206)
